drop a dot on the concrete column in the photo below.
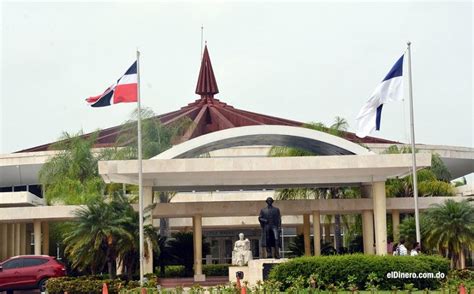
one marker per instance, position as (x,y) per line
(37,232)
(317,233)
(306,235)
(3,241)
(45,238)
(11,240)
(368,231)
(147,201)
(23,239)
(197,236)
(380,218)
(395,225)
(17,239)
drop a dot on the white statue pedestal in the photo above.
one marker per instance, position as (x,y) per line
(253,272)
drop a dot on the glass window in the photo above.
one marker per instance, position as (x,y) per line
(33,261)
(16,263)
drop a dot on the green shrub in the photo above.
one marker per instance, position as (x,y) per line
(173,271)
(90,285)
(137,290)
(216,270)
(333,269)
(179,271)
(436,188)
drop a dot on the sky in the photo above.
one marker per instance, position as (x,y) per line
(305,61)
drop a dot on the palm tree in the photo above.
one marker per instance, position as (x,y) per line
(71,176)
(95,235)
(407,230)
(128,250)
(433,181)
(451,225)
(103,232)
(338,128)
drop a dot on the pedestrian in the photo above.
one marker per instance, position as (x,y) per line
(416,249)
(390,245)
(395,249)
(401,249)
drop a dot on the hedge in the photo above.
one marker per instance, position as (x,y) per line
(215,270)
(337,269)
(178,271)
(172,271)
(88,285)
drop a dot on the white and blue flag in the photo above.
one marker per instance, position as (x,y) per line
(390,89)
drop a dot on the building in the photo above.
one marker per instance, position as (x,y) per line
(220,195)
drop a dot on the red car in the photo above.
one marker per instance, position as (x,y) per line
(29,272)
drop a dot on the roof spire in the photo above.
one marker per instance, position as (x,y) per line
(206,84)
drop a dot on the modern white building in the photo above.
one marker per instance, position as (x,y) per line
(221,193)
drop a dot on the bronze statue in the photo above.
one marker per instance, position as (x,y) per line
(270,221)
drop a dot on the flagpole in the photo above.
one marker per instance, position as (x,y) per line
(140,175)
(413,151)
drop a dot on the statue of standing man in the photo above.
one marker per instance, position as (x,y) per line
(270,221)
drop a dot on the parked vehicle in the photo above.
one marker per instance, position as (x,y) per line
(26,272)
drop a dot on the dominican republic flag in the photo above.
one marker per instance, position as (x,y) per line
(391,89)
(124,90)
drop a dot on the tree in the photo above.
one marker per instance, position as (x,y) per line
(129,251)
(433,181)
(451,225)
(92,239)
(103,232)
(448,228)
(71,176)
(407,230)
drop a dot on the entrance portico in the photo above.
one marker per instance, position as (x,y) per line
(234,174)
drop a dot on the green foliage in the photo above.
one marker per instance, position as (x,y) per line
(464,276)
(156,137)
(433,181)
(172,271)
(372,282)
(334,269)
(435,188)
(451,225)
(215,270)
(179,271)
(439,169)
(408,230)
(86,285)
(461,182)
(428,185)
(338,128)
(71,176)
(104,231)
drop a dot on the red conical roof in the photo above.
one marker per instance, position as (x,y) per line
(206,85)
(208,115)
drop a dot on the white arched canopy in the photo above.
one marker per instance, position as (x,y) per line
(273,135)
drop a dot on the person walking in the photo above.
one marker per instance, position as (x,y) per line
(401,249)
